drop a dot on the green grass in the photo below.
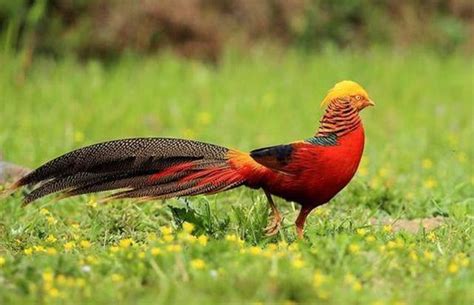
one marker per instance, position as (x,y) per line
(418,164)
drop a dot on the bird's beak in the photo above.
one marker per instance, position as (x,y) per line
(370,103)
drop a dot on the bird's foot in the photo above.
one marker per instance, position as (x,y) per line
(274,224)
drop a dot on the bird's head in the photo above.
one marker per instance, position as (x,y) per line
(351,91)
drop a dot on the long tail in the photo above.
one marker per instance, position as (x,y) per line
(147,168)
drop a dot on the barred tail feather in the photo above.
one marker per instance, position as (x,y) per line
(147,168)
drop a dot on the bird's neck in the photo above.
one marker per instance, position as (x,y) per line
(340,118)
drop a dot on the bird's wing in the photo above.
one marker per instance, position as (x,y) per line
(274,157)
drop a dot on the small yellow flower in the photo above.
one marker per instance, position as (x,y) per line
(44,212)
(2,261)
(413,256)
(430,183)
(361,231)
(78,136)
(155,251)
(354,248)
(431,236)
(318,279)
(388,228)
(51,239)
(48,276)
(151,237)
(114,249)
(370,238)
(168,238)
(53,292)
(231,237)
(141,254)
(427,163)
(51,220)
(166,230)
(39,249)
(188,227)
(255,250)
(85,244)
(202,240)
(429,256)
(28,251)
(117,278)
(173,248)
(453,267)
(51,251)
(198,264)
(298,263)
(75,226)
(125,243)
(350,279)
(92,203)
(69,245)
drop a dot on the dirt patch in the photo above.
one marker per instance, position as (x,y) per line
(410,225)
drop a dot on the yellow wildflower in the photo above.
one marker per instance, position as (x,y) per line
(350,279)
(429,256)
(173,248)
(141,254)
(427,163)
(202,240)
(85,244)
(318,279)
(155,251)
(78,136)
(51,220)
(116,278)
(255,250)
(453,267)
(51,251)
(431,236)
(413,256)
(430,183)
(39,249)
(114,249)
(69,245)
(125,243)
(354,248)
(92,203)
(48,276)
(168,238)
(53,292)
(198,264)
(361,231)
(151,236)
(2,261)
(387,228)
(75,226)
(363,171)
(28,251)
(166,230)
(51,238)
(188,227)
(370,238)
(298,263)
(44,212)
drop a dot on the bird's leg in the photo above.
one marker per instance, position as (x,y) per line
(300,220)
(275,218)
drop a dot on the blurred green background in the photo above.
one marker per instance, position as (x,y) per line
(205,28)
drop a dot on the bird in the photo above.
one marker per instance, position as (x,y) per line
(309,172)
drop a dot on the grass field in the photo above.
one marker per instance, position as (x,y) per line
(418,163)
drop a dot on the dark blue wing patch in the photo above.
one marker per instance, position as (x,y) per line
(273,157)
(329,140)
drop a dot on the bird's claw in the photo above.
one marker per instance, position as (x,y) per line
(274,226)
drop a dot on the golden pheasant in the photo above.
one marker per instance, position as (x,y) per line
(309,172)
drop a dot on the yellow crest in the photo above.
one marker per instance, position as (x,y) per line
(342,89)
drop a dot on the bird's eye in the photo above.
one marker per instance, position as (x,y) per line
(358,97)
